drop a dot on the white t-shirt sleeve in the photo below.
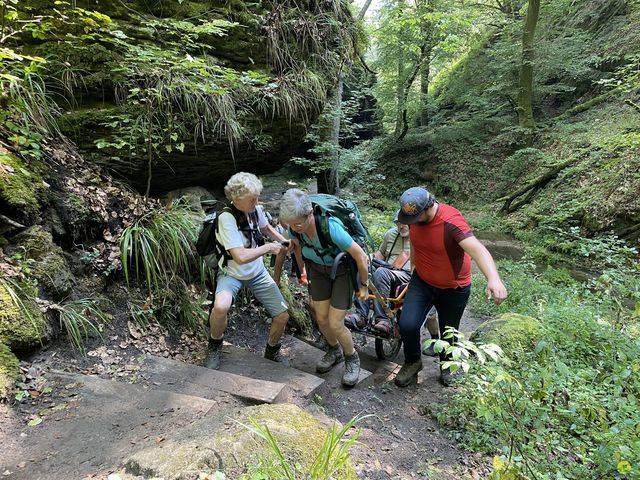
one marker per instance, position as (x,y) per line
(262,218)
(228,233)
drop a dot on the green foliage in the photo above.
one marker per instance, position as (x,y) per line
(564,402)
(459,350)
(81,319)
(406,35)
(158,252)
(330,460)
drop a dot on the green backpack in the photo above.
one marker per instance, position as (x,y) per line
(325,206)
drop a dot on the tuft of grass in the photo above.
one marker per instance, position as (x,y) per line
(81,319)
(158,254)
(330,459)
(334,453)
(158,248)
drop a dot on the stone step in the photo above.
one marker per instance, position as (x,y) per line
(242,362)
(190,379)
(95,423)
(304,357)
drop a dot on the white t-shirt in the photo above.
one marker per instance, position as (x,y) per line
(230,237)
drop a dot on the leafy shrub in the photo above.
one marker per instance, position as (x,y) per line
(567,406)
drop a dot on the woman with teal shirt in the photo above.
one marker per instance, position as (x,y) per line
(332,295)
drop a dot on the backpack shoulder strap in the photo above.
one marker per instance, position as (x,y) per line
(322,228)
(395,240)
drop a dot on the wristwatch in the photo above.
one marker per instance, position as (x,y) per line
(366,285)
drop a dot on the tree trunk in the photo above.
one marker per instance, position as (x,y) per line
(404,122)
(423,119)
(334,183)
(525,92)
(364,9)
(400,98)
(322,180)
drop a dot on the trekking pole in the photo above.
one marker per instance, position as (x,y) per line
(380,299)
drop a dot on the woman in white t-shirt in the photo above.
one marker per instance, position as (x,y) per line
(246,267)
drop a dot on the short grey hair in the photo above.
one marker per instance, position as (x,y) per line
(295,204)
(241,185)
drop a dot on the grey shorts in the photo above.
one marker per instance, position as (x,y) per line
(339,291)
(262,286)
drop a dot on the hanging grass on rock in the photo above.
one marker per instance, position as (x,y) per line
(158,255)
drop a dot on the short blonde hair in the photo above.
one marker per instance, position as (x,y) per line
(241,185)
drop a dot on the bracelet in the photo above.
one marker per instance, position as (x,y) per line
(364,284)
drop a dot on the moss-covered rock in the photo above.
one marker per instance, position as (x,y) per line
(20,187)
(22,326)
(511,331)
(223,440)
(49,265)
(9,369)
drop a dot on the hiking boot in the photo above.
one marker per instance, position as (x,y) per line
(408,373)
(215,354)
(384,328)
(428,350)
(447,378)
(275,355)
(351,369)
(354,321)
(333,356)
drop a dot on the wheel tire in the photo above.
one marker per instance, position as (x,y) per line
(388,349)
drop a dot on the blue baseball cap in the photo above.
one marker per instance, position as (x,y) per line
(413,202)
(395,217)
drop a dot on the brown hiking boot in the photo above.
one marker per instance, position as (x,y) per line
(408,373)
(428,350)
(215,354)
(351,369)
(333,356)
(275,355)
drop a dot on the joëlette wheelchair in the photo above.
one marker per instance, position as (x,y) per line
(387,344)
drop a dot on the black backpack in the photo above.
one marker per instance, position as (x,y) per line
(209,247)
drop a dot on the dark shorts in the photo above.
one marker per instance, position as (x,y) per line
(339,291)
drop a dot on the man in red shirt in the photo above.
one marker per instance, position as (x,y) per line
(442,246)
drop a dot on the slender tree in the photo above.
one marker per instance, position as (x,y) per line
(332,183)
(425,67)
(525,92)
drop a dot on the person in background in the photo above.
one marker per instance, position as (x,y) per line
(245,244)
(331,296)
(442,247)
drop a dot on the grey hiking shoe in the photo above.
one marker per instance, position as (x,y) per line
(447,378)
(408,373)
(215,354)
(275,355)
(351,369)
(333,356)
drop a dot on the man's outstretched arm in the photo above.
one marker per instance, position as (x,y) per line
(487,266)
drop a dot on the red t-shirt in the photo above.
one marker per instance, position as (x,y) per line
(439,259)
